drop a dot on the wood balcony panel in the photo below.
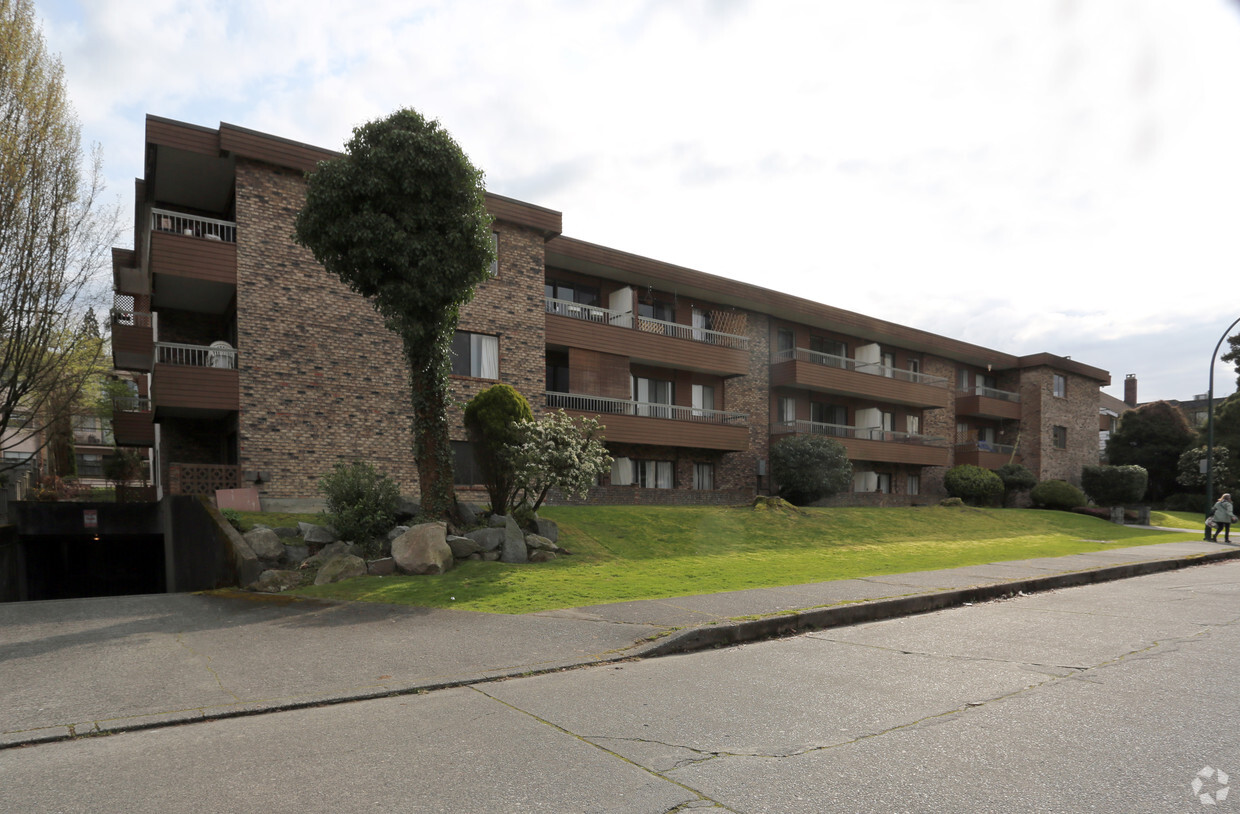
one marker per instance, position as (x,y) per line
(133,347)
(986,460)
(135,429)
(987,407)
(893,452)
(629,429)
(843,382)
(186,390)
(194,258)
(648,348)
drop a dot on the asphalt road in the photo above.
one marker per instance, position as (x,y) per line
(1110,697)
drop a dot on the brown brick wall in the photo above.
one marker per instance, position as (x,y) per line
(323,381)
(1077,410)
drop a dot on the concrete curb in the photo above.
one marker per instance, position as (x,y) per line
(732,633)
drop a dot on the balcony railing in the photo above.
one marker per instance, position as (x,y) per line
(218,355)
(95,437)
(985,446)
(613,406)
(847,363)
(179,223)
(131,310)
(861,433)
(131,404)
(625,319)
(990,393)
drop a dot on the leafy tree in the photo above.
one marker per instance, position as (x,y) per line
(492,418)
(1189,473)
(809,468)
(1114,485)
(54,240)
(401,219)
(557,452)
(1226,434)
(1016,478)
(362,503)
(1152,436)
(973,484)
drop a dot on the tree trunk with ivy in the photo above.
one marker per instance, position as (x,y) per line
(432,449)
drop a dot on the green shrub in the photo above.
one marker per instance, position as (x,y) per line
(951,502)
(809,468)
(1186,502)
(361,503)
(233,517)
(1114,485)
(973,484)
(1016,478)
(492,418)
(1057,494)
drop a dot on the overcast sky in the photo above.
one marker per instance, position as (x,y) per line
(1027,175)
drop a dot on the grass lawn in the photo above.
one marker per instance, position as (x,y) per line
(623,553)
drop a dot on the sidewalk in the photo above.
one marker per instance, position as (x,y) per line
(76,667)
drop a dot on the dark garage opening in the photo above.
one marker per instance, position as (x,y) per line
(80,565)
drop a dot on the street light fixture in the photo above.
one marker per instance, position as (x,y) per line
(1210,427)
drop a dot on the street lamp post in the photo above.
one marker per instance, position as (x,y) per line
(1210,426)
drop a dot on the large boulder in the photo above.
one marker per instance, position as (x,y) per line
(407,508)
(463,547)
(318,535)
(514,544)
(265,544)
(423,549)
(382,567)
(274,582)
(487,539)
(540,543)
(344,566)
(296,554)
(547,528)
(329,552)
(469,514)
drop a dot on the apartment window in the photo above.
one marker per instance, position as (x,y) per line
(913,422)
(889,363)
(786,409)
(883,482)
(89,465)
(657,309)
(1059,437)
(986,439)
(914,367)
(913,484)
(703,476)
(557,373)
(571,292)
(785,340)
(835,350)
(1060,386)
(703,399)
(650,392)
(475,355)
(465,470)
(495,259)
(833,414)
(647,474)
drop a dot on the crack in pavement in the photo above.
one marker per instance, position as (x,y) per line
(207,664)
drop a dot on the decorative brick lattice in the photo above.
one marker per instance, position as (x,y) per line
(202,479)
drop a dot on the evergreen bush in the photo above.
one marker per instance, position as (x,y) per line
(361,503)
(809,468)
(973,484)
(1114,485)
(1057,494)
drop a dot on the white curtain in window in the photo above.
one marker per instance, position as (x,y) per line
(621,472)
(703,476)
(484,356)
(663,474)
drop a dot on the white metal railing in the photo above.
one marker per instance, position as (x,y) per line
(991,393)
(986,446)
(845,431)
(625,319)
(847,363)
(613,406)
(131,404)
(97,437)
(216,355)
(179,223)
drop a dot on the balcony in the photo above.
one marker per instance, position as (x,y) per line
(192,261)
(644,340)
(987,402)
(984,454)
(133,423)
(132,332)
(843,376)
(873,443)
(671,425)
(196,381)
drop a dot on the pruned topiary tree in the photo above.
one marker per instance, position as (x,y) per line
(401,219)
(1016,478)
(493,419)
(973,484)
(1114,485)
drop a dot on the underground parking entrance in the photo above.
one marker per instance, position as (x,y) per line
(73,550)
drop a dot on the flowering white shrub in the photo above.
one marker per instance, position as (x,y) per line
(557,451)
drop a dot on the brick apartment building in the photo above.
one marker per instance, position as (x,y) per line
(265,370)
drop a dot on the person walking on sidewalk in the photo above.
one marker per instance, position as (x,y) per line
(1222,517)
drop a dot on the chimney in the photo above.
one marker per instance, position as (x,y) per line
(1130,390)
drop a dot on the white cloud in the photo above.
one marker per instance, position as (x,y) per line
(1048,175)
